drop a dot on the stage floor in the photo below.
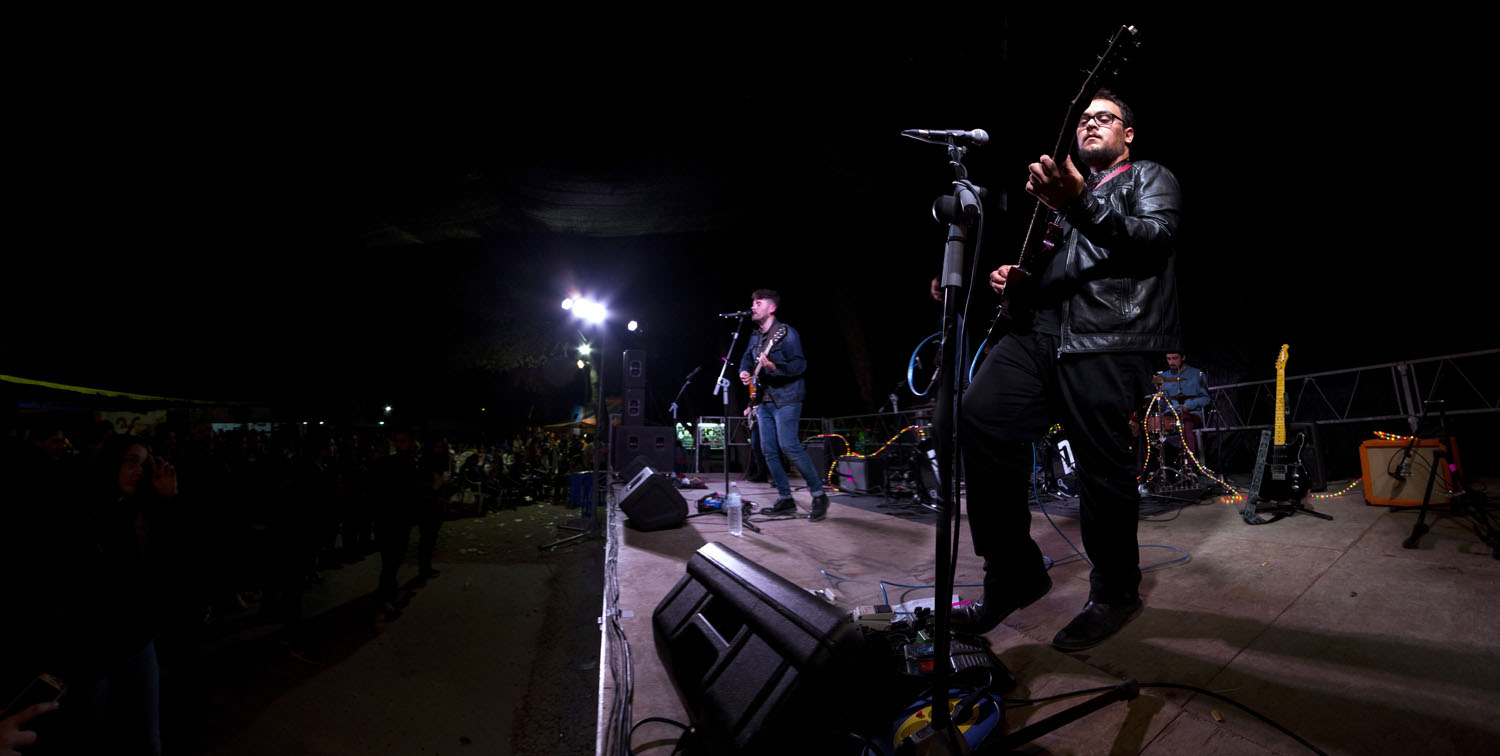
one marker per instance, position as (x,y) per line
(1330,628)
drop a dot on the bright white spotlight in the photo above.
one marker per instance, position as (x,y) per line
(568,303)
(591,311)
(580,364)
(632,325)
(585,350)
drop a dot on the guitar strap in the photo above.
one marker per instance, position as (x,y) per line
(1119,169)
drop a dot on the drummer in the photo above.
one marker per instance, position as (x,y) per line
(1187,390)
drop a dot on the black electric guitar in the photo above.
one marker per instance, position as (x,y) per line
(756,389)
(1284,478)
(1045,231)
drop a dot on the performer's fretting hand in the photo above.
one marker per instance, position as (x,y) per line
(1055,185)
(766,363)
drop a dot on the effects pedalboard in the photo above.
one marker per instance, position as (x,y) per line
(910,644)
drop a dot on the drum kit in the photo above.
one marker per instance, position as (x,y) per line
(1165,463)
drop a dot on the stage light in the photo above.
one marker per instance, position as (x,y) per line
(632,326)
(387,409)
(585,349)
(567,303)
(382,422)
(581,365)
(590,311)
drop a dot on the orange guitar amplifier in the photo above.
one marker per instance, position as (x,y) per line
(1396,477)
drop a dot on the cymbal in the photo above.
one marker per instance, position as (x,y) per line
(1160,379)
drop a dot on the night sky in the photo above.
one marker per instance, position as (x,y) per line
(336,220)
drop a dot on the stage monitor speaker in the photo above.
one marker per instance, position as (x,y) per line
(656,443)
(652,502)
(635,368)
(1396,477)
(635,407)
(861,475)
(761,665)
(635,467)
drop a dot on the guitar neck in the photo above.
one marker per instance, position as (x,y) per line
(1280,435)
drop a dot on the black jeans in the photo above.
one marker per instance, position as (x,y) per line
(1022,388)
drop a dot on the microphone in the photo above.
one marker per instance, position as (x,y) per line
(974,138)
(740,314)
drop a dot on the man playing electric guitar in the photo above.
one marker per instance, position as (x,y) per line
(1105,304)
(780,395)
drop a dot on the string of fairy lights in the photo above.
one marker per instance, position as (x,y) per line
(1234,497)
(833,463)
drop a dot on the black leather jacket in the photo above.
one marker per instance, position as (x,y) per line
(1112,283)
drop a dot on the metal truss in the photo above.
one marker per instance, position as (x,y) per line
(1467,383)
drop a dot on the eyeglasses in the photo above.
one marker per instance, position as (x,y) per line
(1104,118)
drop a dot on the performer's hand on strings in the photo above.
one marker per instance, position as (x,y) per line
(1055,185)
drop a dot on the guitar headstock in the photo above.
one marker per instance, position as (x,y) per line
(1124,41)
(1281,358)
(1107,67)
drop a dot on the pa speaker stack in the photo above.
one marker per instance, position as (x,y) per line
(636,437)
(762,666)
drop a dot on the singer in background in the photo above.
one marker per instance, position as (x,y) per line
(1105,305)
(781,393)
(1188,395)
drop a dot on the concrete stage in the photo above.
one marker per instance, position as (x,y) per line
(1327,627)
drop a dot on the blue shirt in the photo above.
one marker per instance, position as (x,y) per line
(1193,388)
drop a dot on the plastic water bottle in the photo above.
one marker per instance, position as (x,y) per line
(732,508)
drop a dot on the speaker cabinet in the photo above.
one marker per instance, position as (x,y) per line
(635,467)
(635,407)
(658,444)
(652,502)
(1396,472)
(1312,454)
(761,665)
(823,452)
(861,475)
(634,369)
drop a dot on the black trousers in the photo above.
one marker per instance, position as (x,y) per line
(1022,388)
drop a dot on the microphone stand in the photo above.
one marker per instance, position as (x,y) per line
(685,383)
(723,385)
(959,210)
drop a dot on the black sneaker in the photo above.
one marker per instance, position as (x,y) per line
(819,508)
(784,506)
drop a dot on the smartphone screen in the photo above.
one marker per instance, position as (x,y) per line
(44,689)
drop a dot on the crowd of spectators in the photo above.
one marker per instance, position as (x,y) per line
(122,553)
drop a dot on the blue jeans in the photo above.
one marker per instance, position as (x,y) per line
(784,439)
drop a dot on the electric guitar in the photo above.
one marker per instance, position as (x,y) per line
(1285,479)
(1045,231)
(755,386)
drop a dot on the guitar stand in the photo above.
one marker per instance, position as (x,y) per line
(1284,509)
(1459,503)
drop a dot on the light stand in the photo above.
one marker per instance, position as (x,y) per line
(600,472)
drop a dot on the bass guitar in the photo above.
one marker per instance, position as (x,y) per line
(756,389)
(1045,231)
(1285,479)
